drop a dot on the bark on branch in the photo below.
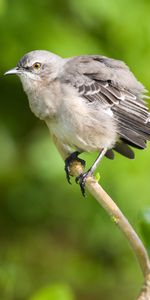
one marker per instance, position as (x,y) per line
(121,221)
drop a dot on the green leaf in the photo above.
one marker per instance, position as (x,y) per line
(97,176)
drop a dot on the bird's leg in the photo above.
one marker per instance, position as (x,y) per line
(72,157)
(81,179)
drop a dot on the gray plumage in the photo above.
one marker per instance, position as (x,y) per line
(88,102)
(110,84)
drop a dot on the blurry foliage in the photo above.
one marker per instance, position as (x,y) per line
(49,234)
(55,292)
(144,220)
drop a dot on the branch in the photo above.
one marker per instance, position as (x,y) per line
(120,220)
(145,291)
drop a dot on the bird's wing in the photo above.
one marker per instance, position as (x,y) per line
(110,83)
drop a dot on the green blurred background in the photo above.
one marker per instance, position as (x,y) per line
(54,244)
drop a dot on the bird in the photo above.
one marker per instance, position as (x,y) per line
(89,103)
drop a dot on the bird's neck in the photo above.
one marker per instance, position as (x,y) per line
(44,101)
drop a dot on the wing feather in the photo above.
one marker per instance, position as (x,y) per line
(112,85)
(129,110)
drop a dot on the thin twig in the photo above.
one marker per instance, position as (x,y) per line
(121,221)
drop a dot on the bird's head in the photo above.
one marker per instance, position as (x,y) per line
(35,67)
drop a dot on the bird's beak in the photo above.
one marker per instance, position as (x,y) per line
(12,71)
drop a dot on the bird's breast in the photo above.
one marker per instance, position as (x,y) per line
(44,104)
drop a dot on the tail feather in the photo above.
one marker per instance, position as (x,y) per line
(124,149)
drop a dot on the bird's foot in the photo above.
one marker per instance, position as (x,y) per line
(69,160)
(81,179)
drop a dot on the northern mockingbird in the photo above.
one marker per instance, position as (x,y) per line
(89,103)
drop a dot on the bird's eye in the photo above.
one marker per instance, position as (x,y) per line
(36,65)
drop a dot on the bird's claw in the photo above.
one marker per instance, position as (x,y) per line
(67,170)
(69,160)
(81,179)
